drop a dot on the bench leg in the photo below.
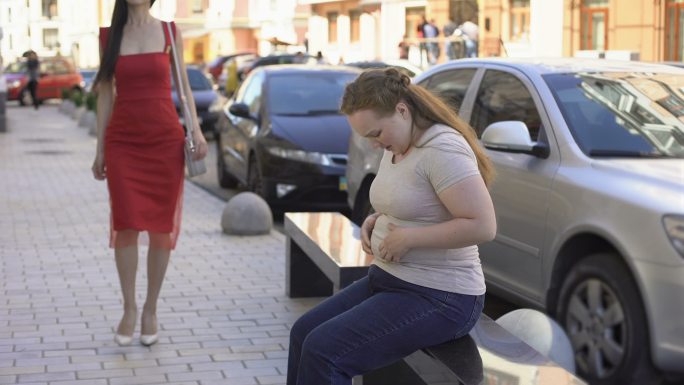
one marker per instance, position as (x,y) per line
(302,277)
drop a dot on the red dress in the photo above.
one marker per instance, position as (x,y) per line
(143,148)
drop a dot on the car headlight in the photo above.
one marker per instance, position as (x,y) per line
(301,155)
(15,84)
(674,227)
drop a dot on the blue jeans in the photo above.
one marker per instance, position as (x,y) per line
(372,323)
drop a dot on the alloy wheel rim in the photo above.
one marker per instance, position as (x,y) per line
(597,328)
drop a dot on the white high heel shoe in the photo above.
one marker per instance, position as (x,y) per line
(149,339)
(123,340)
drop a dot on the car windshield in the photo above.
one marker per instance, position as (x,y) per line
(621,114)
(307,94)
(16,67)
(198,81)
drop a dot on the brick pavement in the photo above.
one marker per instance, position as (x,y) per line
(224,317)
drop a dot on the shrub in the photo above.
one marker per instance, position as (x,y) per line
(77,97)
(91,102)
(66,94)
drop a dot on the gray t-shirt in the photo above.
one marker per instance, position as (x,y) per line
(406,194)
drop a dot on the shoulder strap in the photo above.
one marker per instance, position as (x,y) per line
(168,40)
(187,115)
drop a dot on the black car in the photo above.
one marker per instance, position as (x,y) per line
(283,137)
(208,101)
(280,58)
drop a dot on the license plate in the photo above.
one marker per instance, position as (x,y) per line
(343,183)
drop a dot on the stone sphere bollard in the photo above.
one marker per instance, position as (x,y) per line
(542,333)
(247,214)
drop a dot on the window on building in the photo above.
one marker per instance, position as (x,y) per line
(674,30)
(355,25)
(197,6)
(332,27)
(520,20)
(50,38)
(49,8)
(414,16)
(594,24)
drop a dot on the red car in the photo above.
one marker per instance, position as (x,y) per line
(216,66)
(56,74)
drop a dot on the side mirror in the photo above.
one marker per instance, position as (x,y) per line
(512,136)
(241,110)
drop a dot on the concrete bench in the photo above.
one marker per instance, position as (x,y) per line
(324,255)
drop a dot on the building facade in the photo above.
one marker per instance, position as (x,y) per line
(648,30)
(357,30)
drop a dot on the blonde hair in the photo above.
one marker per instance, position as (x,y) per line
(380,90)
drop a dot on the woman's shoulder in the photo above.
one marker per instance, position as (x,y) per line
(441,137)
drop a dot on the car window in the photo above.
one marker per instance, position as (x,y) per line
(197,80)
(252,93)
(502,96)
(308,93)
(47,67)
(622,114)
(59,67)
(451,86)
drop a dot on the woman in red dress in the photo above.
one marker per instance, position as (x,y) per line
(140,151)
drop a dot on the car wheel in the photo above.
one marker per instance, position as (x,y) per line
(362,208)
(254,182)
(602,312)
(25,98)
(225,179)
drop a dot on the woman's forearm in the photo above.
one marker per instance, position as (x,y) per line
(105,101)
(453,234)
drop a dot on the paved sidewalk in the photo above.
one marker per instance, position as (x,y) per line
(224,317)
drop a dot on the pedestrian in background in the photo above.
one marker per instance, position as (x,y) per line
(432,32)
(449,45)
(141,153)
(425,285)
(470,33)
(320,59)
(33,73)
(404,48)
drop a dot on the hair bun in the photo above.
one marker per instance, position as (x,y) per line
(397,78)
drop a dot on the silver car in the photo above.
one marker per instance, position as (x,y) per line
(589,200)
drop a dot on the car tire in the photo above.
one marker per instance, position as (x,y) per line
(225,179)
(362,207)
(255,183)
(601,310)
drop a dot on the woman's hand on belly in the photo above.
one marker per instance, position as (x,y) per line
(366,230)
(396,243)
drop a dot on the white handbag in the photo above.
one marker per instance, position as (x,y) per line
(194,167)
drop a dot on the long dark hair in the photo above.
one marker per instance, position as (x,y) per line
(381,89)
(110,52)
